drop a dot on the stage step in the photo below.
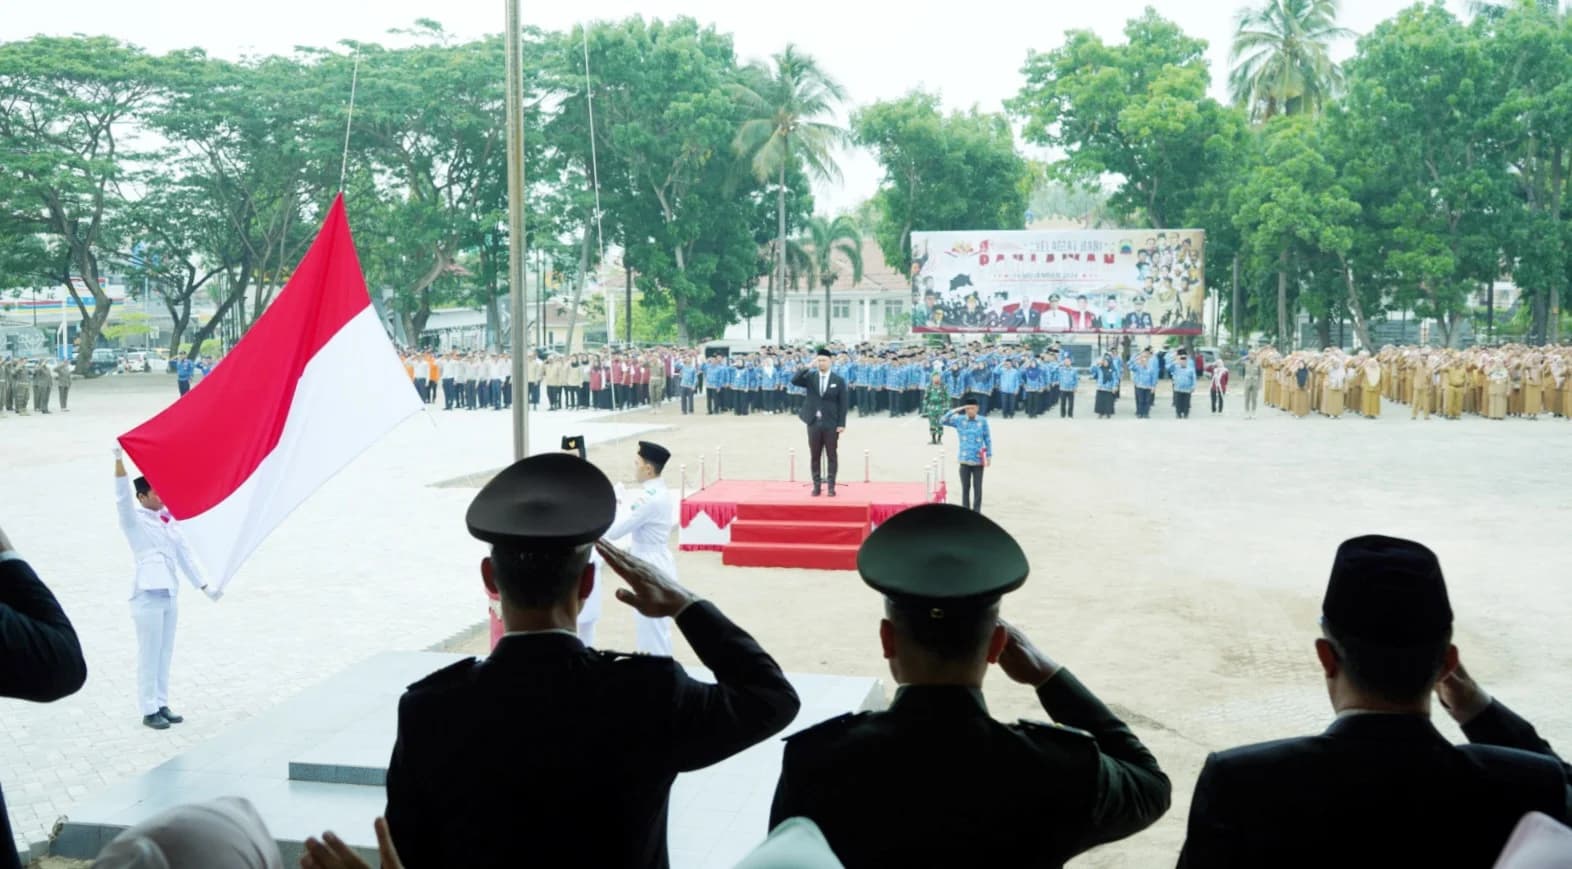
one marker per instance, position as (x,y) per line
(822,510)
(812,556)
(826,533)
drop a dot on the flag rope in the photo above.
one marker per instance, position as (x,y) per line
(354,82)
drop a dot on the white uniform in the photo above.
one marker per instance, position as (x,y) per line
(647,515)
(159,549)
(590,613)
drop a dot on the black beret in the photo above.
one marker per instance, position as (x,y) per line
(1387,592)
(552,499)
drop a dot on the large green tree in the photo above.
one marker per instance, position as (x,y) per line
(66,106)
(956,171)
(1134,115)
(785,104)
(1420,117)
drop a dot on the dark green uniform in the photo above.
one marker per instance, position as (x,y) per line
(936,781)
(934,405)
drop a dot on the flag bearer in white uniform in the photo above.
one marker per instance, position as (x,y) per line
(160,550)
(589,614)
(648,514)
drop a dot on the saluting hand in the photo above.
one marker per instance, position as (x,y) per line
(1461,696)
(1024,662)
(335,854)
(650,592)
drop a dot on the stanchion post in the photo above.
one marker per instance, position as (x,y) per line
(684,490)
(718,475)
(703,480)
(791,474)
(867,467)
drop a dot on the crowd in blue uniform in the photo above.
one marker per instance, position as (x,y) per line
(893,380)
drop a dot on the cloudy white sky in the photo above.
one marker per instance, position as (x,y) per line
(970,51)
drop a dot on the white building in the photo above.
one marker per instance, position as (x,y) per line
(877,308)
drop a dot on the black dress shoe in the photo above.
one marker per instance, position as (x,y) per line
(171,717)
(815,492)
(832,490)
(155,721)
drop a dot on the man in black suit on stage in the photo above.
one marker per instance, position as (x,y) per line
(40,657)
(549,753)
(824,412)
(1381,787)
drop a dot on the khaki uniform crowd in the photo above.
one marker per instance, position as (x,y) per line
(28,385)
(1490,382)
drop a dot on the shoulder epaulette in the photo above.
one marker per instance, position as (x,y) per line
(448,674)
(827,727)
(1046,728)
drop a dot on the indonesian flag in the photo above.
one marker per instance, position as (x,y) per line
(312,385)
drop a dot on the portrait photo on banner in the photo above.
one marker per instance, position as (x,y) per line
(1140,281)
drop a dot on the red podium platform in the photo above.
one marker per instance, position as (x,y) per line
(757,523)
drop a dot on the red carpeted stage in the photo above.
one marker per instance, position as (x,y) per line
(758,523)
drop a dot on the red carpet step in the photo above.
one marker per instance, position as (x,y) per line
(771,523)
(827,533)
(813,556)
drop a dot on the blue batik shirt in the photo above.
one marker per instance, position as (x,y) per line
(974,437)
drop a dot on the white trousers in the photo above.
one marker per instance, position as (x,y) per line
(153,612)
(652,636)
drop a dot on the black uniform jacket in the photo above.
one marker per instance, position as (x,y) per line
(935,781)
(1375,790)
(40,658)
(549,753)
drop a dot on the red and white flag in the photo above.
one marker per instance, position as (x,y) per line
(312,385)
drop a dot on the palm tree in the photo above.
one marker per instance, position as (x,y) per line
(1498,10)
(824,240)
(784,105)
(1281,64)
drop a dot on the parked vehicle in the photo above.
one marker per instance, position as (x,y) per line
(104,361)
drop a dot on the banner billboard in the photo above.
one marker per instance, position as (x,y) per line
(1116,281)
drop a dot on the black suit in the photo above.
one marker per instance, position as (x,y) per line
(552,754)
(936,781)
(823,414)
(1377,791)
(40,658)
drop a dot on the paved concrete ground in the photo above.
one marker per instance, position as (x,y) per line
(377,560)
(1178,568)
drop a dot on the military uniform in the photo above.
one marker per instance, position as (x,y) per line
(20,384)
(43,384)
(935,780)
(553,754)
(63,382)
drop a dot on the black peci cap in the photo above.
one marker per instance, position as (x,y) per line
(574,444)
(655,454)
(1386,591)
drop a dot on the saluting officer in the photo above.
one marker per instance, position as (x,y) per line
(526,756)
(935,780)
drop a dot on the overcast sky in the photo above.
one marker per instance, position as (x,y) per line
(971,51)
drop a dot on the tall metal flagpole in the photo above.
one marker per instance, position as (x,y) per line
(516,289)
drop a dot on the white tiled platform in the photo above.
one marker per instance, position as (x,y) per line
(318,761)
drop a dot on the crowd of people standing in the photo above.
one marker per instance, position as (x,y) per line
(1489,382)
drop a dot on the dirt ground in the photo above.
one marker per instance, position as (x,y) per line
(1178,566)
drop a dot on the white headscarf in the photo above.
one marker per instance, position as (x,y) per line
(225,833)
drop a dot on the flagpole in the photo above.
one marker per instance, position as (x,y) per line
(515,149)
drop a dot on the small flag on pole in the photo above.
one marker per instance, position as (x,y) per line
(313,384)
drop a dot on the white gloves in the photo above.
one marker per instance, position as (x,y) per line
(212,593)
(118,452)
